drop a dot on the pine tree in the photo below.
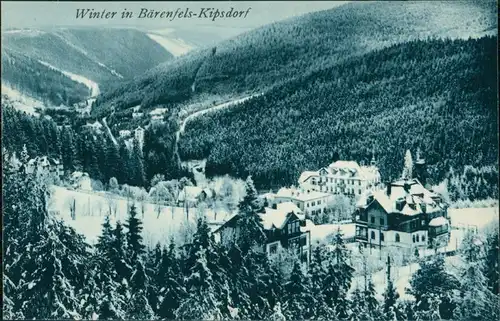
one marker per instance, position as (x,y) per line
(134,238)
(408,167)
(105,240)
(201,302)
(119,254)
(433,279)
(251,229)
(298,296)
(171,292)
(477,301)
(390,296)
(492,259)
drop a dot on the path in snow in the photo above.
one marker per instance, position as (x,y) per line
(109,131)
(21,101)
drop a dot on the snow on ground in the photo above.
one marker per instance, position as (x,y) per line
(91,85)
(109,131)
(21,101)
(473,217)
(323,231)
(401,276)
(175,46)
(91,209)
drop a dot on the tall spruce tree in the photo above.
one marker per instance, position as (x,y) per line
(134,238)
(251,229)
(298,296)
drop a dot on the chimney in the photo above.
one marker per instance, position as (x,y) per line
(389,186)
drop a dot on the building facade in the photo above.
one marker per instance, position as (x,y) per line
(405,214)
(309,201)
(342,177)
(45,164)
(284,227)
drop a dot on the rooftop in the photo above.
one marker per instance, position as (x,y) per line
(406,197)
(300,194)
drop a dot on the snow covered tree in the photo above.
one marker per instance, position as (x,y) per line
(201,302)
(339,276)
(408,166)
(134,238)
(119,254)
(432,278)
(171,291)
(251,230)
(105,240)
(298,297)
(390,296)
(492,269)
(477,302)
(277,314)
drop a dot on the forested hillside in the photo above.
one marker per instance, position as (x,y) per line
(81,148)
(34,79)
(276,53)
(104,56)
(439,96)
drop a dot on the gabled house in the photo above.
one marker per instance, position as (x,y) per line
(81,181)
(44,164)
(342,177)
(284,227)
(310,202)
(405,214)
(190,196)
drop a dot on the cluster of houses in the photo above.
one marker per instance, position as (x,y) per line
(401,214)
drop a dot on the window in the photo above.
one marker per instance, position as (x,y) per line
(372,235)
(372,219)
(289,228)
(359,183)
(273,248)
(413,238)
(397,238)
(418,238)
(381,221)
(381,237)
(423,238)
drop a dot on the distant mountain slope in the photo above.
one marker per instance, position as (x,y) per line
(439,96)
(276,53)
(104,56)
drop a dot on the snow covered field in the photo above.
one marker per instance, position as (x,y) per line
(91,208)
(176,47)
(20,101)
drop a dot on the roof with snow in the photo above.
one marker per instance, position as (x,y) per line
(189,193)
(300,194)
(342,169)
(407,197)
(274,217)
(438,221)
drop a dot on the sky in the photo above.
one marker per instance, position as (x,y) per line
(63,14)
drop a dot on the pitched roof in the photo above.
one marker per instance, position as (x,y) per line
(300,194)
(305,175)
(189,193)
(413,197)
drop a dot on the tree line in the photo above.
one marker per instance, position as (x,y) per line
(90,150)
(436,95)
(52,273)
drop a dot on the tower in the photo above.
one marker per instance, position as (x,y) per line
(420,169)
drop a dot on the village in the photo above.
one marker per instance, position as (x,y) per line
(404,215)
